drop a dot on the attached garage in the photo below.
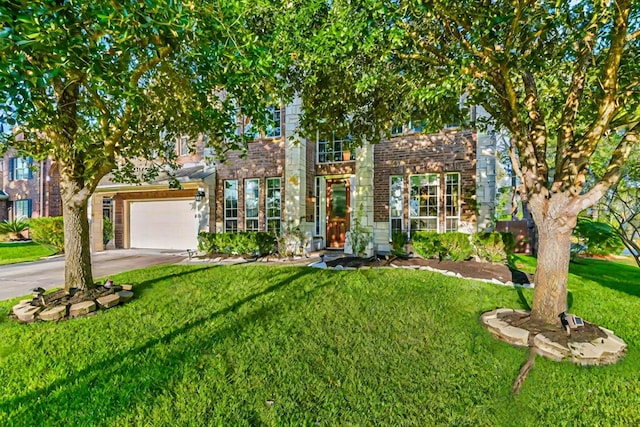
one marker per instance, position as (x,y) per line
(163,224)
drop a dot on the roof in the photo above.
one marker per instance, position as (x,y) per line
(3,195)
(183,175)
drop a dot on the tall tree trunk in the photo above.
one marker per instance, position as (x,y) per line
(77,246)
(554,252)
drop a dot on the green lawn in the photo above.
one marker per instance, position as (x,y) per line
(265,345)
(12,253)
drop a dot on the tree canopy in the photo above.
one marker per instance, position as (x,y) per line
(96,85)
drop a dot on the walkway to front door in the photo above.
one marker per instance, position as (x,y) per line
(338,208)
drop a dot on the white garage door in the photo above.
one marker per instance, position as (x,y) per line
(168,224)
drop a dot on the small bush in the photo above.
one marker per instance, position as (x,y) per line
(16,226)
(427,244)
(292,242)
(494,247)
(359,236)
(107,230)
(48,231)
(399,240)
(598,238)
(457,246)
(243,243)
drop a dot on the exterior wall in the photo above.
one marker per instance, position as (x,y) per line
(265,159)
(447,151)
(43,189)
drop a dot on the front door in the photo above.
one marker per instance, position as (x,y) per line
(338,202)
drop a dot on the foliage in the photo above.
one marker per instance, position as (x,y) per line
(598,238)
(48,231)
(242,243)
(399,240)
(15,226)
(454,246)
(107,230)
(359,236)
(210,345)
(559,77)
(292,241)
(13,253)
(108,87)
(494,247)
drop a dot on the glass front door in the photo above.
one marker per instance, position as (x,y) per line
(338,208)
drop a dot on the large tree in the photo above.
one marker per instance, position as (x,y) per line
(96,85)
(559,76)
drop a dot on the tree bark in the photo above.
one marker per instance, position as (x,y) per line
(552,272)
(77,247)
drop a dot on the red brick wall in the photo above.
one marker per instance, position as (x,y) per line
(420,154)
(265,159)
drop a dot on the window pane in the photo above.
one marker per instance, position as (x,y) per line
(251,194)
(231,205)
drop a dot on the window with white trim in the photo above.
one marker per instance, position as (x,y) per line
(273,206)
(317,207)
(231,206)
(20,168)
(251,204)
(274,127)
(335,149)
(396,204)
(185,149)
(22,208)
(397,129)
(423,202)
(451,201)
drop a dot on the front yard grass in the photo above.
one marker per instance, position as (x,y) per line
(262,345)
(13,253)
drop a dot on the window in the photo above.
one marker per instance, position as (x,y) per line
(396,205)
(416,125)
(107,208)
(251,200)
(248,129)
(22,208)
(317,208)
(273,205)
(451,201)
(423,202)
(185,149)
(19,168)
(274,129)
(231,206)
(335,149)
(397,129)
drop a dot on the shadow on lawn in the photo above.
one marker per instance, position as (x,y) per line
(108,387)
(616,276)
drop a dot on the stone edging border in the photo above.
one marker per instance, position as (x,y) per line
(25,312)
(601,351)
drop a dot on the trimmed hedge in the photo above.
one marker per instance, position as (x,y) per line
(242,243)
(48,231)
(455,246)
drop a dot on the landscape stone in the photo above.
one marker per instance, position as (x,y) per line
(54,313)
(82,308)
(27,313)
(549,348)
(127,287)
(125,296)
(108,301)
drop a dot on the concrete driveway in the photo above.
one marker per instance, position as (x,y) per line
(19,279)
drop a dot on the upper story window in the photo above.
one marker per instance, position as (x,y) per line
(335,149)
(274,126)
(185,147)
(397,129)
(417,125)
(20,168)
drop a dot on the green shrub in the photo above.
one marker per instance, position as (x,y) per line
(457,246)
(427,244)
(48,231)
(494,247)
(359,236)
(16,226)
(292,242)
(598,238)
(243,243)
(399,240)
(107,230)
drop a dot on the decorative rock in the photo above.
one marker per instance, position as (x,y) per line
(127,287)
(82,308)
(26,313)
(125,296)
(108,301)
(54,313)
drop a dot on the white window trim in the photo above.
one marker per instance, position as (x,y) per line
(447,217)
(266,203)
(437,217)
(224,201)
(401,217)
(270,118)
(332,141)
(246,200)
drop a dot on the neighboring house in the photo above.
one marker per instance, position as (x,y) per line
(28,188)
(441,182)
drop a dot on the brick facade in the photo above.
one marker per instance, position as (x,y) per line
(421,154)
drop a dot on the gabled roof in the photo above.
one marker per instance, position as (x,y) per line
(3,195)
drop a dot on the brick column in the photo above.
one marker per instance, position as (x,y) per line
(362,206)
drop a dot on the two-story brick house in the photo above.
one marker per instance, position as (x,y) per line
(28,188)
(442,182)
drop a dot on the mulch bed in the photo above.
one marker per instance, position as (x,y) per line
(586,333)
(469,269)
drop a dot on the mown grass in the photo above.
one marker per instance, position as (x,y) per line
(298,346)
(13,253)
